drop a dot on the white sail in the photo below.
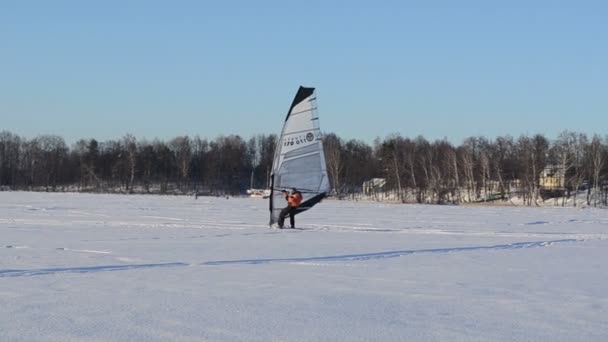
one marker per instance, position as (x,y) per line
(299,160)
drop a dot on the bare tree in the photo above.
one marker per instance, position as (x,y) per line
(182,151)
(503,164)
(267,146)
(577,145)
(359,165)
(146,156)
(561,153)
(200,149)
(442,171)
(10,150)
(392,156)
(596,154)
(130,144)
(468,166)
(452,159)
(261,152)
(399,160)
(53,152)
(333,155)
(533,153)
(229,165)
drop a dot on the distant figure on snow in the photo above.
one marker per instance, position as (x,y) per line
(293,198)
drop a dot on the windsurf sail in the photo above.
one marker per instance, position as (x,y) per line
(299,160)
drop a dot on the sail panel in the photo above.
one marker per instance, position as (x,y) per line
(302,150)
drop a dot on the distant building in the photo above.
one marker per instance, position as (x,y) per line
(553,178)
(258,193)
(374,185)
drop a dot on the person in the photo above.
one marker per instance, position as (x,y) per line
(293,198)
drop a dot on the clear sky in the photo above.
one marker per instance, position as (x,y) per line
(101,69)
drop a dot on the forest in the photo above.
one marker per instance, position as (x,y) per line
(396,168)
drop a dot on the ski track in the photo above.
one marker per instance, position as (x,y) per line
(536,222)
(418,227)
(392,254)
(88,269)
(307,261)
(88,214)
(83,250)
(166,218)
(434,231)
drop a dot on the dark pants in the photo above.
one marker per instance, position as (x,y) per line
(291,211)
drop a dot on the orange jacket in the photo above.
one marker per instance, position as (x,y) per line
(294,200)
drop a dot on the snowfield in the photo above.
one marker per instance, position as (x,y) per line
(88,267)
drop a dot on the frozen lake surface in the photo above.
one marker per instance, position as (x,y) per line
(157,268)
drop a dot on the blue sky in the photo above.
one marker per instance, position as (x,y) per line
(101,69)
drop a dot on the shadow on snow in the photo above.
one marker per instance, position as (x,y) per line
(90,269)
(347,257)
(390,254)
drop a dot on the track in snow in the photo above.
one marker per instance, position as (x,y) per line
(392,254)
(347,257)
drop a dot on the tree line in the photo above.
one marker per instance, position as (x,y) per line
(404,169)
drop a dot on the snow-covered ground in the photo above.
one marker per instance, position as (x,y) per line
(127,268)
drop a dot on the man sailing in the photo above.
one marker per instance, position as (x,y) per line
(293,198)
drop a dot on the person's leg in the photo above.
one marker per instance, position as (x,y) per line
(292,217)
(282,215)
